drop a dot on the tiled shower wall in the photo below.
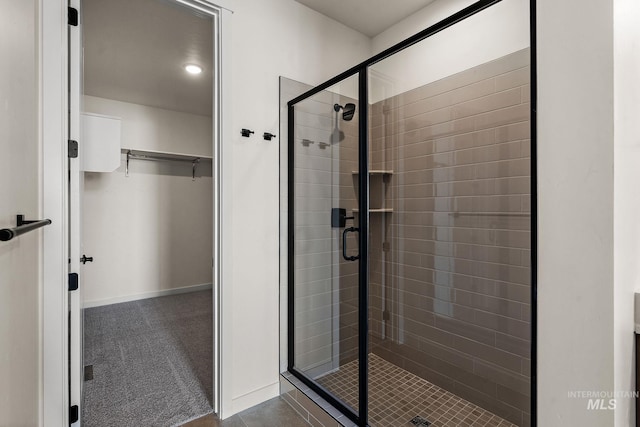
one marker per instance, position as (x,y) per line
(454,277)
(325,284)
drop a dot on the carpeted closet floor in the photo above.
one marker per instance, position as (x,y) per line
(152,361)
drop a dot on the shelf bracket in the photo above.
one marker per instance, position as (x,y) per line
(194,166)
(126,169)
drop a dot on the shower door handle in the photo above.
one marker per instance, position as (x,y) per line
(344,244)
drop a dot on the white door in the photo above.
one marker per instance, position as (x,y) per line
(76,179)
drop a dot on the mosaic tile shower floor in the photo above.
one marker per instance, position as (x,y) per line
(397,396)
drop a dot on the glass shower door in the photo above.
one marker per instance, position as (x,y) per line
(324,242)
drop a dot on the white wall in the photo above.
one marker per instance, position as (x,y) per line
(152,231)
(20,259)
(575,193)
(467,44)
(626,200)
(270,38)
(424,18)
(156,129)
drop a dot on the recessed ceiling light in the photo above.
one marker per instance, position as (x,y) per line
(193,69)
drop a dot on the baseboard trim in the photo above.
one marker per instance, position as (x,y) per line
(255,397)
(145,295)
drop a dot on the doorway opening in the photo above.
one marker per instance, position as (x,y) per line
(148,121)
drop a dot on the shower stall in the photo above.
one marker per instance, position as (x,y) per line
(408,212)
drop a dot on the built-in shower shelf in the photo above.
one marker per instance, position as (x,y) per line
(377,210)
(375,172)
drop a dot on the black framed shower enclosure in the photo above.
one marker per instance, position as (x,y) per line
(359,76)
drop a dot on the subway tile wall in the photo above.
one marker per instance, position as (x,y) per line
(325,284)
(450,266)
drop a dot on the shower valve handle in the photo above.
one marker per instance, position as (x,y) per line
(344,244)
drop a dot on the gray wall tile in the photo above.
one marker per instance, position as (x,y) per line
(457,278)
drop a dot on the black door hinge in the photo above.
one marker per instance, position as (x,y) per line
(72,16)
(73,149)
(73,281)
(73,414)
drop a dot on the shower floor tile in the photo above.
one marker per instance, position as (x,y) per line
(397,396)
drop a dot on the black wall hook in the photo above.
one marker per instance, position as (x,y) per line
(246,133)
(267,136)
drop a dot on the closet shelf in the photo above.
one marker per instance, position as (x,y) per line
(164,156)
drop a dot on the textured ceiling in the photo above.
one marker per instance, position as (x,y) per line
(370,17)
(135,50)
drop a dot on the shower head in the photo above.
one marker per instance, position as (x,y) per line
(347,114)
(348,110)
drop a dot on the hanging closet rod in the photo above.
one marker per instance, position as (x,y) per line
(22,227)
(165,157)
(161,158)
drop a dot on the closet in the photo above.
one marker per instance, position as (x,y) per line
(147,215)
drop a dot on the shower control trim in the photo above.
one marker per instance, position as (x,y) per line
(339,217)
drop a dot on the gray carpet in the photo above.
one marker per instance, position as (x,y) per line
(152,361)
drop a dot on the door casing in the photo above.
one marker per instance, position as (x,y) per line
(75,190)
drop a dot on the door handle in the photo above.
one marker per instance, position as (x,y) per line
(85,259)
(344,243)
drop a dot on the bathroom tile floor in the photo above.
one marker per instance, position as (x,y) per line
(272,413)
(397,396)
